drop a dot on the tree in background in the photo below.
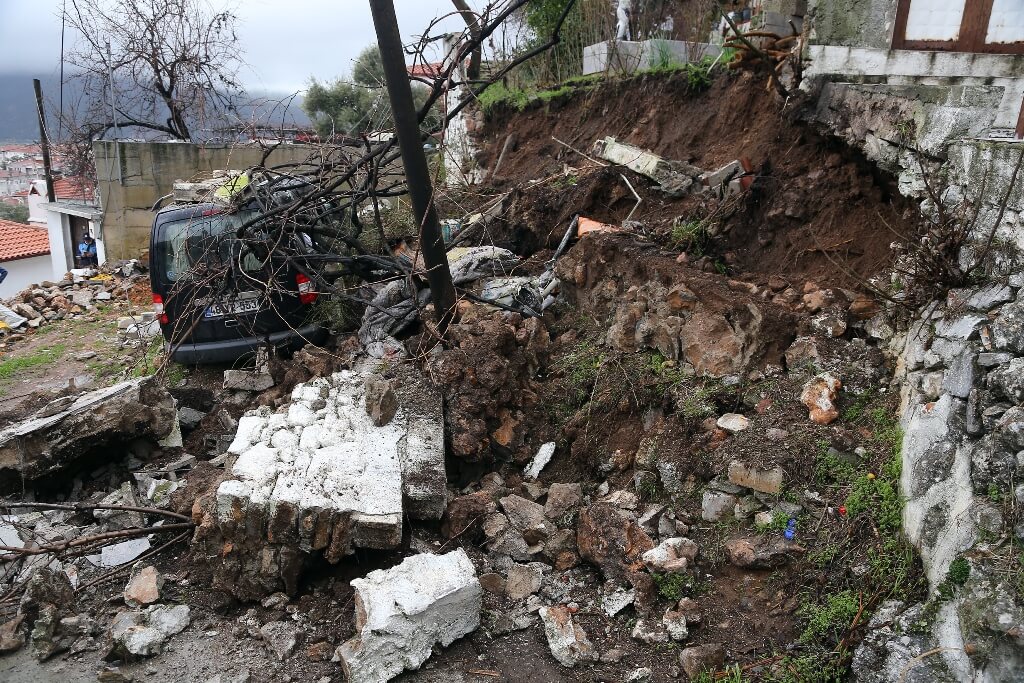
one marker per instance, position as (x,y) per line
(173,64)
(359,105)
(18,214)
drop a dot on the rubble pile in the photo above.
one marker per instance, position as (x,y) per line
(716,327)
(486,407)
(77,296)
(337,469)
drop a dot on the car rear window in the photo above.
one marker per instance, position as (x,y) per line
(202,245)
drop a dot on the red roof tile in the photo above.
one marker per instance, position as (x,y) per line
(74,187)
(78,188)
(20,149)
(18,241)
(425,70)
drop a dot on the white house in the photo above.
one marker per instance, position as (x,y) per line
(75,212)
(25,255)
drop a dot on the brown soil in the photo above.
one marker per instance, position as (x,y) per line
(821,208)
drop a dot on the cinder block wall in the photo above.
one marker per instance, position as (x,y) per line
(852,23)
(132,177)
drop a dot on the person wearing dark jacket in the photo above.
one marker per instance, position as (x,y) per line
(3,274)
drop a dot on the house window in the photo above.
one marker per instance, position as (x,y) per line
(960,26)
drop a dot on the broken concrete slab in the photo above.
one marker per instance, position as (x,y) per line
(402,612)
(320,477)
(675,177)
(70,428)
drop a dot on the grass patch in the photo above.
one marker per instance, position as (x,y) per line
(19,364)
(581,366)
(828,620)
(869,537)
(831,468)
(779,522)
(696,74)
(675,587)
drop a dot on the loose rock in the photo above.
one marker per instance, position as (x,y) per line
(144,587)
(700,658)
(733,422)
(765,481)
(819,395)
(281,637)
(760,554)
(523,580)
(568,641)
(673,555)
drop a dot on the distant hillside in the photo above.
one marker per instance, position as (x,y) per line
(18,109)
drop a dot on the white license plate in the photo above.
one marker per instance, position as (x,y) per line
(219,310)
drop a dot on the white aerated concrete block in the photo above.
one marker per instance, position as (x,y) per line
(402,612)
(320,476)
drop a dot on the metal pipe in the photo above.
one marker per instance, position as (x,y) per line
(44,142)
(417,174)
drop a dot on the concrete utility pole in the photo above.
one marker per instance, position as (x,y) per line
(417,174)
(44,141)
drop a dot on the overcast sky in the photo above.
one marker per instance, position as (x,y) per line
(283,41)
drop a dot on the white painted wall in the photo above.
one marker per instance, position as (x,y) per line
(935,19)
(58,227)
(1007,23)
(36,213)
(24,272)
(60,250)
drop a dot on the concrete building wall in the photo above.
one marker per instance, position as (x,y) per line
(131,176)
(852,23)
(24,272)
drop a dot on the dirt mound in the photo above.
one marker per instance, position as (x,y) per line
(817,209)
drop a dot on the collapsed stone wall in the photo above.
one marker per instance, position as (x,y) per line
(962,380)
(337,469)
(959,365)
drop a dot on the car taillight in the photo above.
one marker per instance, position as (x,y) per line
(306,293)
(158,309)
